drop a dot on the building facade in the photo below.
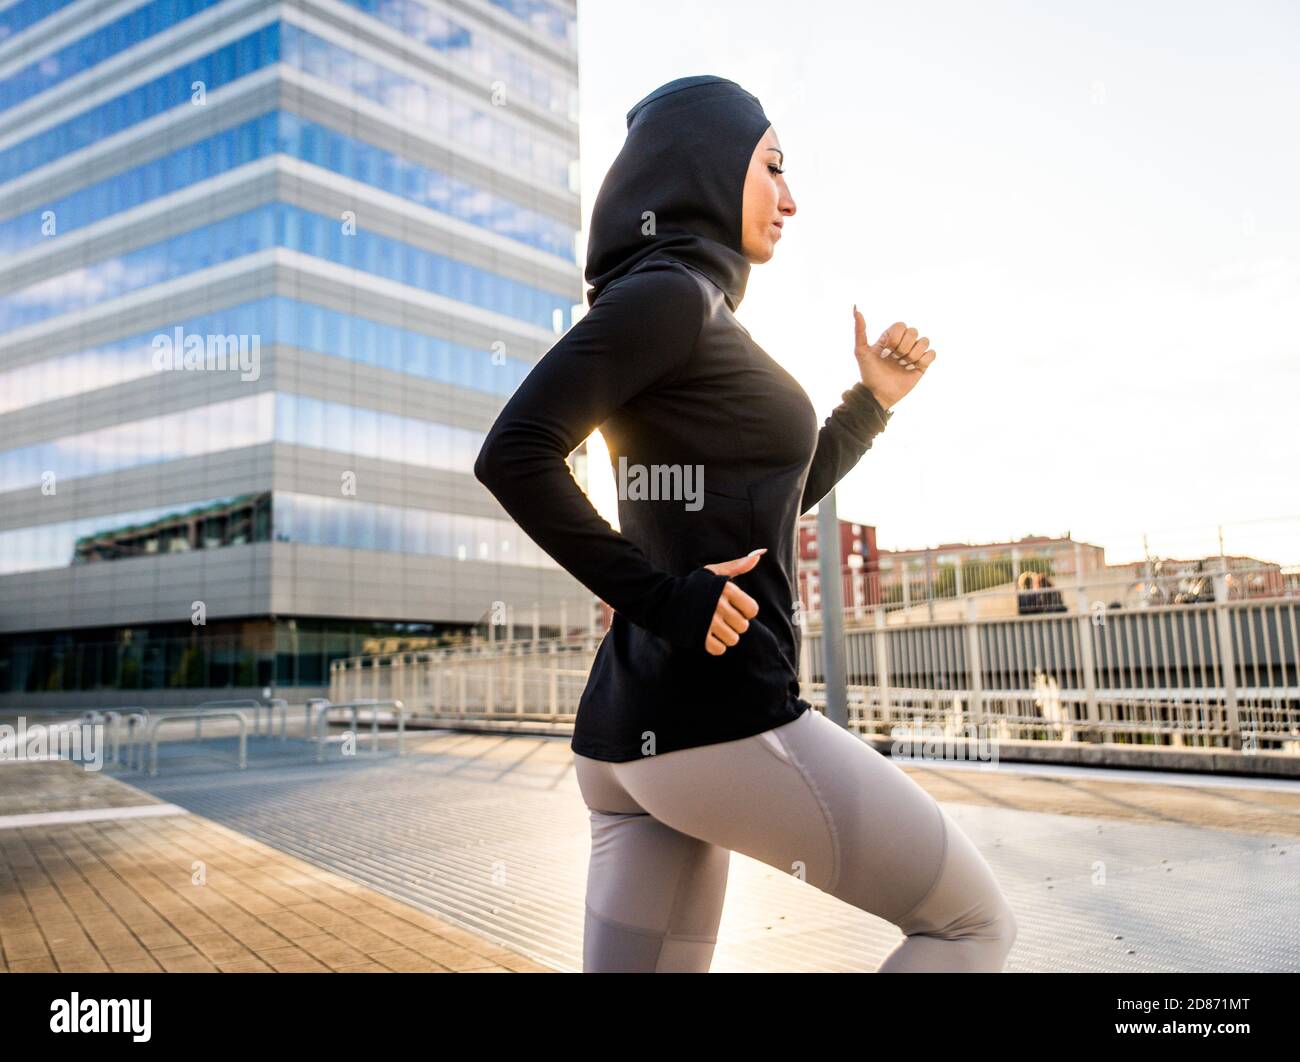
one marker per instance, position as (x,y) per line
(858,562)
(874,577)
(270,271)
(991,564)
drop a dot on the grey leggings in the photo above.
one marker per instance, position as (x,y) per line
(808,798)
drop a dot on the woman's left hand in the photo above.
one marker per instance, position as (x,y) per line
(893,364)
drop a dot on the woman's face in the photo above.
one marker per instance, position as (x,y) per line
(767,200)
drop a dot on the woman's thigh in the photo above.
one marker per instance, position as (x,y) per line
(654,895)
(811,799)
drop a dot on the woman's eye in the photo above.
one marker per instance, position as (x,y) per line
(775,169)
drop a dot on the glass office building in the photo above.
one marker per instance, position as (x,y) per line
(268,273)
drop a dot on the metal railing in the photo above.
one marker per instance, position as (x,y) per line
(522,681)
(270,706)
(137,721)
(142,727)
(197,714)
(1221,674)
(112,719)
(322,722)
(309,715)
(134,739)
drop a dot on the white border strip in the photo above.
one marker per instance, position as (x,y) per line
(1133,775)
(58,818)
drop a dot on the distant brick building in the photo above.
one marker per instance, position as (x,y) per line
(858,562)
(1059,553)
(873,576)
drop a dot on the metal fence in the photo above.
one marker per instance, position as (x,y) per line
(923,595)
(517,681)
(1211,675)
(1219,673)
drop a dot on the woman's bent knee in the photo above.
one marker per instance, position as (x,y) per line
(978,946)
(966,903)
(994,928)
(986,917)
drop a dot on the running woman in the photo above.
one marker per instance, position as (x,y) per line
(691,739)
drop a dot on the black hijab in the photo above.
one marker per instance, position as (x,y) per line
(685,158)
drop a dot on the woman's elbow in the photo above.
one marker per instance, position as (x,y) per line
(503,457)
(487,464)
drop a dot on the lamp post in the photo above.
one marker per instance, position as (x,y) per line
(832,610)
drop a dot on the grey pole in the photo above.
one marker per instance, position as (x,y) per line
(832,611)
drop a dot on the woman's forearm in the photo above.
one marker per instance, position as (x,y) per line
(529,476)
(640,334)
(845,436)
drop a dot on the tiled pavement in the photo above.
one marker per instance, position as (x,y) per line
(177,892)
(474,847)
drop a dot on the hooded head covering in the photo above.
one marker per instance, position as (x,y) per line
(685,158)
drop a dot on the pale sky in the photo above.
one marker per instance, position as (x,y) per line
(1090,209)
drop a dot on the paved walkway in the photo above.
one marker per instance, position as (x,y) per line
(472,850)
(97,876)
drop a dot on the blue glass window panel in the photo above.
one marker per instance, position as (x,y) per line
(390,437)
(415,531)
(312,412)
(388,527)
(365,431)
(275,319)
(361,519)
(338,428)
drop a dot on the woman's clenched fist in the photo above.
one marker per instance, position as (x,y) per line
(735,608)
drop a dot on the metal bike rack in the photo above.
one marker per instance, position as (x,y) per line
(113,720)
(309,716)
(200,710)
(273,705)
(198,714)
(136,719)
(322,723)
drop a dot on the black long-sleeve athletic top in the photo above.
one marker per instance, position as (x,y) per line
(679,389)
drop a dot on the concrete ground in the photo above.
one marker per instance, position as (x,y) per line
(470,853)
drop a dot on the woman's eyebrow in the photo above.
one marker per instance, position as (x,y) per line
(779,152)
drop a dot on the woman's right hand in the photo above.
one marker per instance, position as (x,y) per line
(735,607)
